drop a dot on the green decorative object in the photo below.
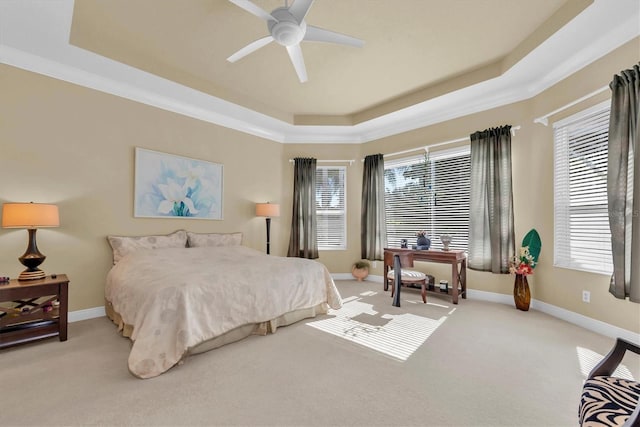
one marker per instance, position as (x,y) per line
(533,242)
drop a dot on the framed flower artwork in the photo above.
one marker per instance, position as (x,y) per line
(170,186)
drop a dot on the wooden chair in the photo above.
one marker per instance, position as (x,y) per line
(408,276)
(607,400)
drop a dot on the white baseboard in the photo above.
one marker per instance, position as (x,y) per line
(585,322)
(344,276)
(589,323)
(348,276)
(490,296)
(89,313)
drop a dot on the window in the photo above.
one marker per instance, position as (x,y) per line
(428,192)
(331,212)
(582,240)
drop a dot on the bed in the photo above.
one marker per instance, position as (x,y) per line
(173,300)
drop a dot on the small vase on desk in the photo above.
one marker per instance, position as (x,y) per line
(446,240)
(521,293)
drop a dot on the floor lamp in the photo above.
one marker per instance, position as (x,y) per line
(268,210)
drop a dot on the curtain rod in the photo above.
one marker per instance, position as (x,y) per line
(545,119)
(438,144)
(328,161)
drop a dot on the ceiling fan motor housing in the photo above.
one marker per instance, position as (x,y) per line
(287,31)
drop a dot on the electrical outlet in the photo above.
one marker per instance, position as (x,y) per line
(375,264)
(586,296)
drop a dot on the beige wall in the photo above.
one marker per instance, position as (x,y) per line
(532,152)
(559,286)
(74,146)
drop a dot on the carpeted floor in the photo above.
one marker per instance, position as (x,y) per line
(474,364)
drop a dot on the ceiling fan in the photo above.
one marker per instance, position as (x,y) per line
(287,27)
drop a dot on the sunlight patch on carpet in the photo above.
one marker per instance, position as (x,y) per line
(398,336)
(368,293)
(588,360)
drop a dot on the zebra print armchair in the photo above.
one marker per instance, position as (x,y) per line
(607,400)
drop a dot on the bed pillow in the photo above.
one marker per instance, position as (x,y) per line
(196,240)
(124,245)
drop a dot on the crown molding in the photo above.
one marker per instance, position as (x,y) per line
(34,36)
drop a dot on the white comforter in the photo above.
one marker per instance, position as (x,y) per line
(176,299)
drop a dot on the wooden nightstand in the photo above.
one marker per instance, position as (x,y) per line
(28,310)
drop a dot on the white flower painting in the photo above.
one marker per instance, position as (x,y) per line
(169,186)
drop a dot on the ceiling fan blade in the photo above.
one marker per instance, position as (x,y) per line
(251,47)
(295,53)
(253,9)
(300,8)
(315,34)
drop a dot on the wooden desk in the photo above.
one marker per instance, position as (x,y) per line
(31,315)
(457,259)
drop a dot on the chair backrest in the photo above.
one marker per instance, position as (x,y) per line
(406,258)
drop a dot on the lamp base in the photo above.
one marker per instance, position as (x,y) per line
(268,234)
(31,275)
(31,259)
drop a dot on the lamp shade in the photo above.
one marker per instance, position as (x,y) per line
(267,209)
(29,215)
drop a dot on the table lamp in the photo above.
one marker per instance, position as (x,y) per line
(30,216)
(268,210)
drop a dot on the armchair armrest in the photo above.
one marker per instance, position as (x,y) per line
(634,419)
(608,365)
(606,399)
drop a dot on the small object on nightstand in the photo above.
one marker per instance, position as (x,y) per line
(4,279)
(53,276)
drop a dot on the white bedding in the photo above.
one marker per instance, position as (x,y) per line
(178,298)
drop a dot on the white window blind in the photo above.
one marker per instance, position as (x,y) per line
(582,240)
(428,193)
(330,207)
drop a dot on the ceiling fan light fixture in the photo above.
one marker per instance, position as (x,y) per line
(286,31)
(287,27)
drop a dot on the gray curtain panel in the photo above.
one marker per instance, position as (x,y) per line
(373,228)
(491,235)
(623,185)
(303,242)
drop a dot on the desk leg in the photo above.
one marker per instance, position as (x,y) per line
(63,309)
(397,282)
(463,277)
(455,279)
(385,270)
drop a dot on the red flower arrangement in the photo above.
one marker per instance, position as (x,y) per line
(523,263)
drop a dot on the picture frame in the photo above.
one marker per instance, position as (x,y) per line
(172,186)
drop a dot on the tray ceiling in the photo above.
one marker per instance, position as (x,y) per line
(410,45)
(424,61)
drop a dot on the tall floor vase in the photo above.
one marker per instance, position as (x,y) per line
(521,293)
